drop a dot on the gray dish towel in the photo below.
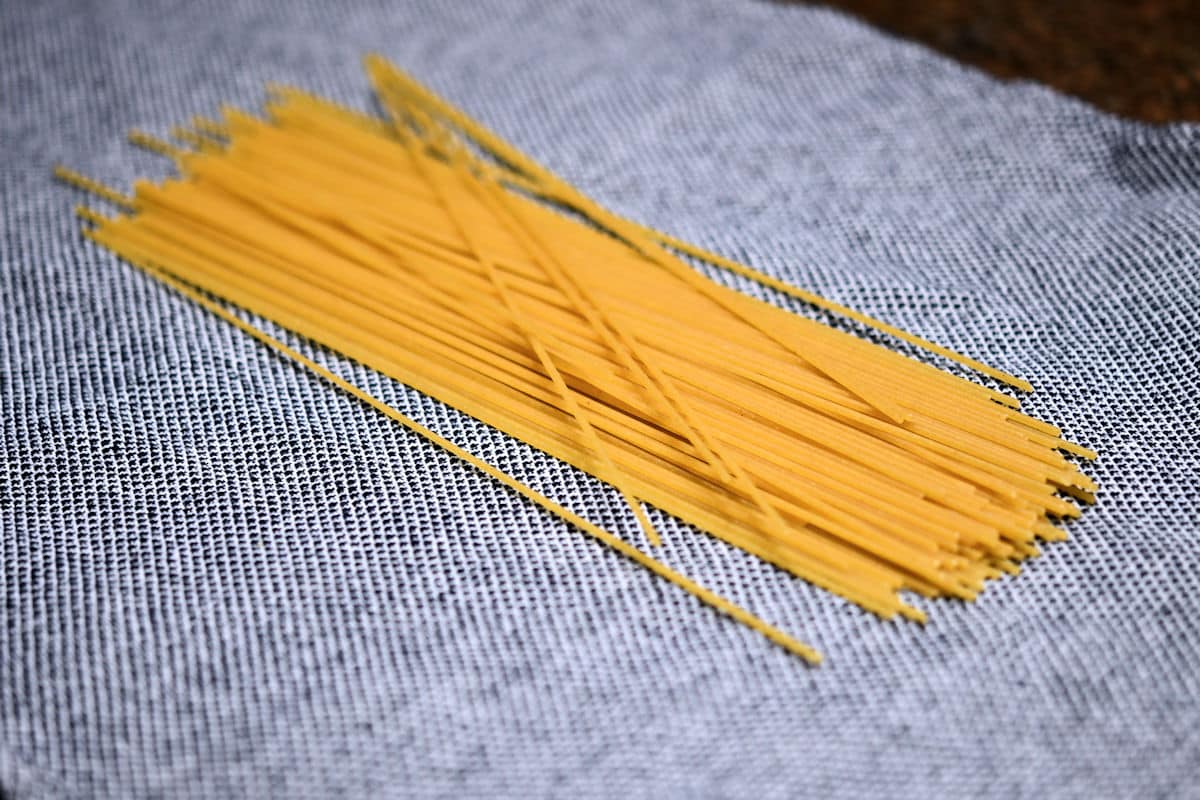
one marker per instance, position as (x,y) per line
(222,578)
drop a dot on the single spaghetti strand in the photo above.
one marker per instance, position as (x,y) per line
(155,145)
(86,184)
(197,141)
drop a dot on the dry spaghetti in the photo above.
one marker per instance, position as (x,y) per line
(429,249)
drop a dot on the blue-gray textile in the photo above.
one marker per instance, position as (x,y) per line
(222,577)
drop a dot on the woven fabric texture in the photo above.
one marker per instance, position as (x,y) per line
(223,578)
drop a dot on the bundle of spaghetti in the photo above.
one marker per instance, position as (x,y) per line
(429,249)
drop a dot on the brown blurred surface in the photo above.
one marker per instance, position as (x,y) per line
(1139,58)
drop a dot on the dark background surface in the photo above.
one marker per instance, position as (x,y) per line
(1137,58)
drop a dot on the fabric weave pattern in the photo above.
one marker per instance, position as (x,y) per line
(222,578)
